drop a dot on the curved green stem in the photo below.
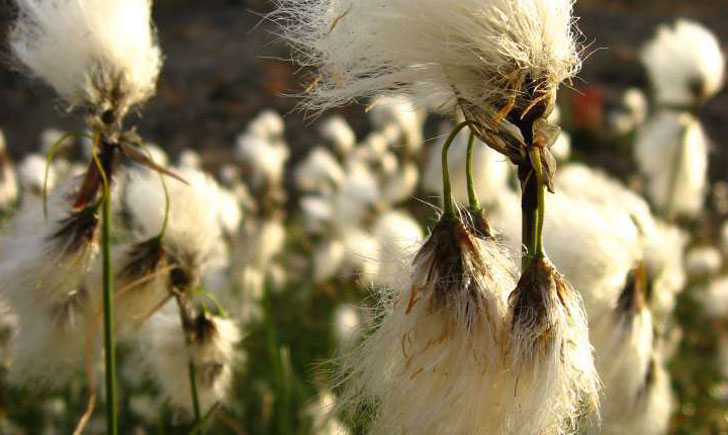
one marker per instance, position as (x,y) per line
(449,205)
(472,196)
(165,221)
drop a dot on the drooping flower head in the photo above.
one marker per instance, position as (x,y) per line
(500,61)
(100,54)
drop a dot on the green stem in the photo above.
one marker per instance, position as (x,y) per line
(192,373)
(541,202)
(449,205)
(472,196)
(112,417)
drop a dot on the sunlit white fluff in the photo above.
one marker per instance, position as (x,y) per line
(44,265)
(317,213)
(477,51)
(430,366)
(685,63)
(358,193)
(703,261)
(490,170)
(339,134)
(100,53)
(323,422)
(189,158)
(320,172)
(671,150)
(162,348)
(400,113)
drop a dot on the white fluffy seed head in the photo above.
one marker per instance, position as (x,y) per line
(714,298)
(478,51)
(400,112)
(703,262)
(551,358)
(31,172)
(162,348)
(44,266)
(348,324)
(97,53)
(685,63)
(431,366)
(193,235)
(399,237)
(671,150)
(266,159)
(327,260)
(401,186)
(267,125)
(320,172)
(339,134)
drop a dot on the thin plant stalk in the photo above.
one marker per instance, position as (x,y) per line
(192,373)
(449,205)
(112,416)
(472,196)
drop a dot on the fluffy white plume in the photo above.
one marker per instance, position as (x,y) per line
(267,125)
(714,298)
(632,113)
(431,365)
(44,267)
(685,63)
(672,152)
(163,350)
(401,186)
(664,259)
(100,53)
(189,158)
(266,159)
(478,51)
(348,324)
(327,259)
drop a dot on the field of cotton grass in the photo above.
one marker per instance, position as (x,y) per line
(432,223)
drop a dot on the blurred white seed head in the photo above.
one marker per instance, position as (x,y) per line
(401,186)
(400,112)
(31,172)
(189,158)
(703,262)
(348,324)
(685,63)
(664,260)
(162,348)
(48,138)
(97,53)
(671,150)
(8,180)
(714,298)
(268,125)
(320,172)
(339,134)
(632,113)
(327,259)
(266,159)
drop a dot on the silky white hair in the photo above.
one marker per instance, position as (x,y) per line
(92,52)
(685,63)
(475,50)
(431,366)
